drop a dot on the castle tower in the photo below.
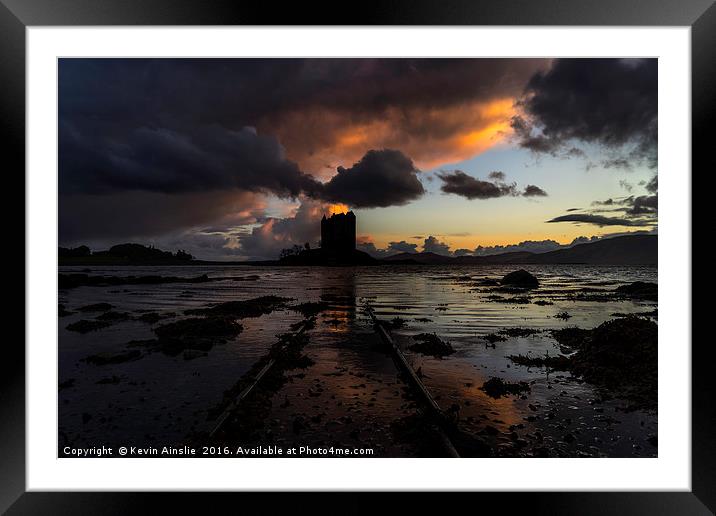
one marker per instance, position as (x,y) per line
(338,233)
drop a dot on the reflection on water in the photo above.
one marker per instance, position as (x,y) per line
(160,399)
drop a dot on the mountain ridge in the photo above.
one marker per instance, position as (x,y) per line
(623,250)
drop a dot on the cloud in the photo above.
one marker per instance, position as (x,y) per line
(128,216)
(608,102)
(644,204)
(600,220)
(626,185)
(433,245)
(534,191)
(381,178)
(459,183)
(402,247)
(157,159)
(325,112)
(365,244)
(531,246)
(266,241)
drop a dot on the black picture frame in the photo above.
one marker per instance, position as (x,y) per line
(17,15)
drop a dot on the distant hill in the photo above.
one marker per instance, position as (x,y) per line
(122,254)
(624,250)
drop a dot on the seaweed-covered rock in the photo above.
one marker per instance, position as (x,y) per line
(559,362)
(497,387)
(572,336)
(521,279)
(431,344)
(241,309)
(621,354)
(518,332)
(640,290)
(195,333)
(85,326)
(397,322)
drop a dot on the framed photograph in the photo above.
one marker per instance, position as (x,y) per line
(428,250)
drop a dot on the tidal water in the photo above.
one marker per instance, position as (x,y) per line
(353,392)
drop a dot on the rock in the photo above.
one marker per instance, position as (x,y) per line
(85,326)
(431,344)
(521,279)
(640,290)
(196,333)
(240,309)
(497,387)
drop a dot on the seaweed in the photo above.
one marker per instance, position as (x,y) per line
(195,333)
(559,362)
(397,323)
(518,332)
(497,388)
(431,344)
(241,309)
(97,307)
(85,326)
(494,337)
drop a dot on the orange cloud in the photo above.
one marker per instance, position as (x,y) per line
(321,139)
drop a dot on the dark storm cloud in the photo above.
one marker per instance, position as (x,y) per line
(608,102)
(600,220)
(382,178)
(163,160)
(459,183)
(534,191)
(132,215)
(239,92)
(644,204)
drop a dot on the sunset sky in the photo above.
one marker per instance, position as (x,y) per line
(235,159)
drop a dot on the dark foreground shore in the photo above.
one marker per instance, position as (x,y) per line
(156,362)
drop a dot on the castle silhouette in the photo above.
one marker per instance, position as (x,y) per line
(338,245)
(338,234)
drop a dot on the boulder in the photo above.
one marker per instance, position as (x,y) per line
(521,279)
